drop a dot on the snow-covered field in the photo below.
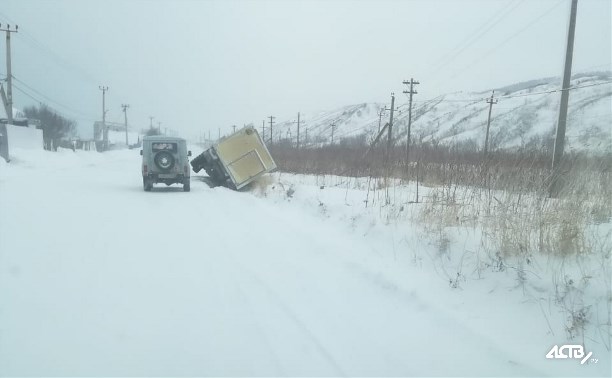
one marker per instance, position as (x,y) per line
(296,277)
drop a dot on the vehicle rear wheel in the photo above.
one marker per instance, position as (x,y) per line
(146,184)
(187,185)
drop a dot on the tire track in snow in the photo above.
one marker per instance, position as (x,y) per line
(260,330)
(295,319)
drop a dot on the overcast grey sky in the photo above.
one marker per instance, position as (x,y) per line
(200,65)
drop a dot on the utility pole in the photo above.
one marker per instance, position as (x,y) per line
(298,131)
(555,185)
(412,83)
(490,101)
(4,100)
(104,128)
(9,76)
(271,134)
(4,149)
(234,126)
(389,131)
(306,136)
(125,106)
(380,114)
(219,133)
(333,127)
(263,130)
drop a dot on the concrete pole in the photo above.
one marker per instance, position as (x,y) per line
(125,106)
(9,78)
(555,186)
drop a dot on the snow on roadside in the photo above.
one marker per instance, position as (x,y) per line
(515,305)
(331,287)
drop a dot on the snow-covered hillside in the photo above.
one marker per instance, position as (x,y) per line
(525,113)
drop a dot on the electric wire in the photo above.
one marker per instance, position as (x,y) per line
(498,46)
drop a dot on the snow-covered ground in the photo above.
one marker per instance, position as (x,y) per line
(296,277)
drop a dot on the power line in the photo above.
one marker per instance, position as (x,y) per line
(40,102)
(48,99)
(80,116)
(476,35)
(41,47)
(475,100)
(491,51)
(557,90)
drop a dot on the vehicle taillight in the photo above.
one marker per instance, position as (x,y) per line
(144,169)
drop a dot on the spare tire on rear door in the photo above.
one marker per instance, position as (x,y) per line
(164,160)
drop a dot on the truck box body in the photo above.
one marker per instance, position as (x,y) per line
(236,160)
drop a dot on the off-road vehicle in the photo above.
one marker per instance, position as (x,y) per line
(165,160)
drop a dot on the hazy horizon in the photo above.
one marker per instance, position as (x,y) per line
(202,65)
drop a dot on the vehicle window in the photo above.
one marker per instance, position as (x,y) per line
(164,147)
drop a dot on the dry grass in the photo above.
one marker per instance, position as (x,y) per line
(507,199)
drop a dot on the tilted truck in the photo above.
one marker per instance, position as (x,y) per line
(237,160)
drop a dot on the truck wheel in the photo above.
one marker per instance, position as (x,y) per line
(186,185)
(146,184)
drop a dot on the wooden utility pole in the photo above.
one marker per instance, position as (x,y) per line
(412,83)
(333,127)
(380,114)
(263,130)
(555,185)
(125,106)
(298,132)
(9,76)
(271,134)
(390,129)
(104,128)
(490,101)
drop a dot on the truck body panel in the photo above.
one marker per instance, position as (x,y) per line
(236,160)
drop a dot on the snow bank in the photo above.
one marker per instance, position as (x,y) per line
(24,138)
(297,278)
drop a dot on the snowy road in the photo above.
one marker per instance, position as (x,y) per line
(99,278)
